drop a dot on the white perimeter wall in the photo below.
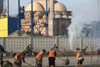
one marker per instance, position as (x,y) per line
(39,43)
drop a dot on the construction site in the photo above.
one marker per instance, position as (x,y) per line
(44,24)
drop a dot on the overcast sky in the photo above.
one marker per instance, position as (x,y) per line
(77,6)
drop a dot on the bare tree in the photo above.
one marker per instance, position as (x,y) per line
(91,54)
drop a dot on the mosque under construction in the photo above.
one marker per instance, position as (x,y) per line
(50,18)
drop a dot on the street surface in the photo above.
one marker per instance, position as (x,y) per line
(59,62)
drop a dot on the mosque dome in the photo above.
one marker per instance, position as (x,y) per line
(60,7)
(36,7)
(40,5)
(38,14)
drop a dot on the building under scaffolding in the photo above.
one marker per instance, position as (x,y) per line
(41,22)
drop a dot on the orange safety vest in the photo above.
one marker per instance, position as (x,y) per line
(20,58)
(79,58)
(51,53)
(39,54)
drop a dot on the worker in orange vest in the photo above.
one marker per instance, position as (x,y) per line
(39,58)
(19,57)
(80,57)
(51,57)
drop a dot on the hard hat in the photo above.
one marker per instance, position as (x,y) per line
(86,46)
(51,48)
(77,48)
(44,50)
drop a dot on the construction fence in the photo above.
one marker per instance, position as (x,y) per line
(39,43)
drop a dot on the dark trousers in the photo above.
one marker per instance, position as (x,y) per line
(1,58)
(80,62)
(51,61)
(38,63)
(29,52)
(18,64)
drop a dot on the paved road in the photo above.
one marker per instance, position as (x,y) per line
(59,62)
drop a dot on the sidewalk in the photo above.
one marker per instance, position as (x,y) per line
(59,62)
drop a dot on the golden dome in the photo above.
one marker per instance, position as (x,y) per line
(60,7)
(36,7)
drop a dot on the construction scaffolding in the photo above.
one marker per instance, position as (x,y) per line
(20,15)
(4,4)
(1,6)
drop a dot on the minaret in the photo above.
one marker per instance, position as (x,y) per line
(52,24)
(97,10)
(52,15)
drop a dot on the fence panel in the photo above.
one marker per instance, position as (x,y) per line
(16,43)
(77,43)
(40,43)
(63,43)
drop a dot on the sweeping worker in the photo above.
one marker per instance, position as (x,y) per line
(55,48)
(19,57)
(51,57)
(84,49)
(39,58)
(80,57)
(29,50)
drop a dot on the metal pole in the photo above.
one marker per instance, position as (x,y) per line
(19,20)
(8,8)
(46,19)
(32,26)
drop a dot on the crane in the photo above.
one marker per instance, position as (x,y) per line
(4,12)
